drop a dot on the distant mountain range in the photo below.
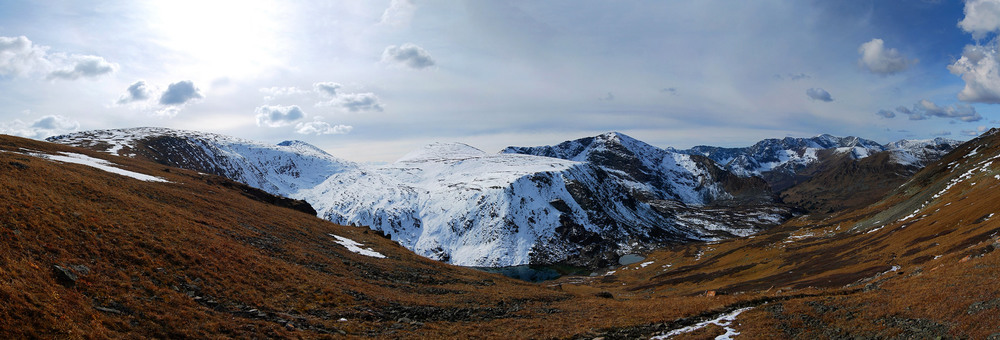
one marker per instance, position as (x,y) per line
(584,202)
(825,174)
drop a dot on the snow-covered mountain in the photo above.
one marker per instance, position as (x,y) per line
(789,155)
(281,169)
(921,152)
(653,172)
(455,203)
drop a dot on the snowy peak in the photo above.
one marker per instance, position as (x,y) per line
(304,148)
(435,152)
(584,149)
(921,152)
(655,172)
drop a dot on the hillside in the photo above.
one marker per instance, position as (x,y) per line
(918,264)
(101,246)
(152,251)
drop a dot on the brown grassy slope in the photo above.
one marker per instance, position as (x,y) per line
(195,259)
(840,183)
(913,265)
(198,258)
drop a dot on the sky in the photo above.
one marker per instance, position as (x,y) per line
(370,81)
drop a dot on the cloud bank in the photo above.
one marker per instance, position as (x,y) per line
(46,126)
(926,109)
(19,57)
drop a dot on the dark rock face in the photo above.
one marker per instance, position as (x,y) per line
(64,276)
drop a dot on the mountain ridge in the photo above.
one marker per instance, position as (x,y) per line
(455,203)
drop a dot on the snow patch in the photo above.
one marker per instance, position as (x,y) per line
(75,158)
(356,247)
(724,321)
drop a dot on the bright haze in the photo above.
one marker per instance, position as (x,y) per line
(373,80)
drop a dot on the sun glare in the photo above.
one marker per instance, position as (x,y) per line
(220,38)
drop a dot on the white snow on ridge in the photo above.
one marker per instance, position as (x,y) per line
(355,247)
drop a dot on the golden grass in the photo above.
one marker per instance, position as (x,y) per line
(195,259)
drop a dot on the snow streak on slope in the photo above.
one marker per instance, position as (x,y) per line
(97,163)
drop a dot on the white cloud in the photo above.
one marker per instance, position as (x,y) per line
(819,94)
(399,13)
(141,96)
(880,60)
(277,115)
(46,126)
(982,17)
(180,93)
(328,89)
(408,54)
(86,66)
(322,128)
(19,57)
(355,102)
(352,102)
(979,67)
(138,91)
(942,133)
